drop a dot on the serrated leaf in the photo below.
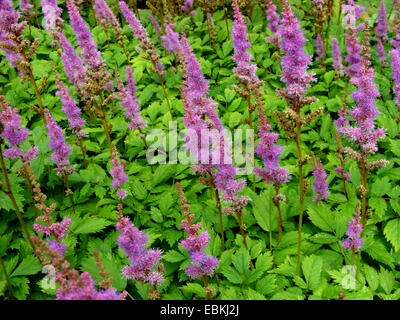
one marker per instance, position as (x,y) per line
(232,275)
(173,256)
(241,261)
(194,288)
(392,233)
(312,268)
(28,266)
(265,212)
(91,225)
(322,217)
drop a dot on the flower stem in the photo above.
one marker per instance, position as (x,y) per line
(278,207)
(219,208)
(165,91)
(83,153)
(3,267)
(13,201)
(205,287)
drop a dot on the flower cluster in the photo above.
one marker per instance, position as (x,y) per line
(382,27)
(14,133)
(270,153)
(133,242)
(336,56)
(104,14)
(141,34)
(57,229)
(73,113)
(130,101)
(170,41)
(201,263)
(244,71)
(155,24)
(118,173)
(354,230)
(25,6)
(295,61)
(61,150)
(320,49)
(395,55)
(320,186)
(52,15)
(273,20)
(187,5)
(340,172)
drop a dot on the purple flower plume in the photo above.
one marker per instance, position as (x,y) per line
(25,6)
(320,49)
(170,40)
(52,15)
(141,34)
(273,20)
(73,113)
(270,153)
(118,173)
(395,55)
(130,101)
(382,27)
(244,70)
(336,56)
(155,24)
(320,186)
(104,14)
(295,61)
(14,134)
(354,230)
(61,150)
(143,260)
(187,5)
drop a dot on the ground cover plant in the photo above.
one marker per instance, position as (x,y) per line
(199,149)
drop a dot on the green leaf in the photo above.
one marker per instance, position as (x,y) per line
(232,275)
(265,212)
(138,189)
(380,187)
(194,288)
(312,268)
(241,260)
(29,265)
(372,277)
(322,217)
(264,262)
(392,233)
(267,285)
(91,225)
(386,280)
(395,147)
(378,252)
(323,238)
(173,256)
(254,295)
(328,76)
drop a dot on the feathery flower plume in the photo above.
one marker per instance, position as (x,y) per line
(91,55)
(336,56)
(61,150)
(25,6)
(10,32)
(382,27)
(155,24)
(170,40)
(14,133)
(52,15)
(104,14)
(141,34)
(320,186)
(270,153)
(380,50)
(354,231)
(187,5)
(273,20)
(244,71)
(73,285)
(295,61)
(395,55)
(195,243)
(73,113)
(143,260)
(320,49)
(345,175)
(118,173)
(73,65)
(130,101)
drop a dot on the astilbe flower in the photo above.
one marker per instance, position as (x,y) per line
(340,172)
(320,49)
(320,186)
(104,14)
(170,41)
(61,150)
(141,34)
(201,116)
(187,5)
(73,285)
(73,113)
(295,61)
(336,56)
(90,54)
(14,133)
(52,15)
(382,27)
(270,152)
(354,230)
(57,229)
(10,31)
(244,71)
(130,102)
(155,24)
(195,243)
(25,6)
(395,55)
(143,260)
(273,20)
(73,65)
(118,173)
(380,50)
